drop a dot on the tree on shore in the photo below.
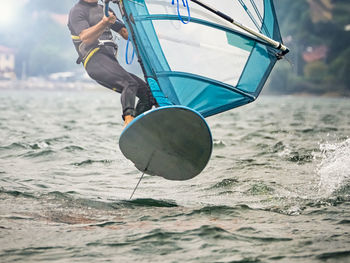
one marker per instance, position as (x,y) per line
(310,24)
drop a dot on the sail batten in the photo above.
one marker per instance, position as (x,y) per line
(203,22)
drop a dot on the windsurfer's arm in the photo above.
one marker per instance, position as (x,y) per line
(92,34)
(120,28)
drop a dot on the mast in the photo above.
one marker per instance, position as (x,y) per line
(123,13)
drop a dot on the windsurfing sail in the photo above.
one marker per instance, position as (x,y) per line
(211,64)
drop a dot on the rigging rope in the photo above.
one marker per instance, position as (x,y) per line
(260,18)
(250,14)
(126,53)
(185,4)
(106,12)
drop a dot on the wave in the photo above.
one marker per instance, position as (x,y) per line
(42,153)
(89,162)
(37,149)
(218,144)
(260,188)
(15,193)
(70,199)
(334,169)
(338,255)
(216,210)
(149,202)
(225,183)
(307,206)
(14,146)
(207,232)
(72,148)
(29,251)
(41,144)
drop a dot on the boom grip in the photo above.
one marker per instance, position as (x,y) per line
(106,7)
(226,17)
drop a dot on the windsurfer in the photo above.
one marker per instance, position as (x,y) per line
(93,40)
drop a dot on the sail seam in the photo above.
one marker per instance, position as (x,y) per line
(193,76)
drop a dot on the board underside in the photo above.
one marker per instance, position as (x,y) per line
(173,142)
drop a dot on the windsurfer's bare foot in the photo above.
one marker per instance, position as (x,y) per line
(127,120)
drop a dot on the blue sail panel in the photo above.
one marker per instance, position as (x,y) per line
(207,65)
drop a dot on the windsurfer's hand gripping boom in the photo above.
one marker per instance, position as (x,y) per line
(108,15)
(110,19)
(92,34)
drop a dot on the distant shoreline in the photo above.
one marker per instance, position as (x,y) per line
(42,84)
(47,85)
(308,94)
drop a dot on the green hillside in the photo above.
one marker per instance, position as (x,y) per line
(307,25)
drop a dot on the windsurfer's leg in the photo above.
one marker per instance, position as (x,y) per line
(107,71)
(145,102)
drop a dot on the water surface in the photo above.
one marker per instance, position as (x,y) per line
(275,190)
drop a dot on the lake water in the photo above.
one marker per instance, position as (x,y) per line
(277,187)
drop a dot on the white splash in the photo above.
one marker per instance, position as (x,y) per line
(334,169)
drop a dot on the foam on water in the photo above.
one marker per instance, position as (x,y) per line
(334,169)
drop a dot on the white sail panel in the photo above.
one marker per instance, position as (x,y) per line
(201,50)
(232,8)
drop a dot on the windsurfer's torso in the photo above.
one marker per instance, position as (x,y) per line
(83,16)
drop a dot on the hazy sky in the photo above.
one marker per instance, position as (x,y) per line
(8,11)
